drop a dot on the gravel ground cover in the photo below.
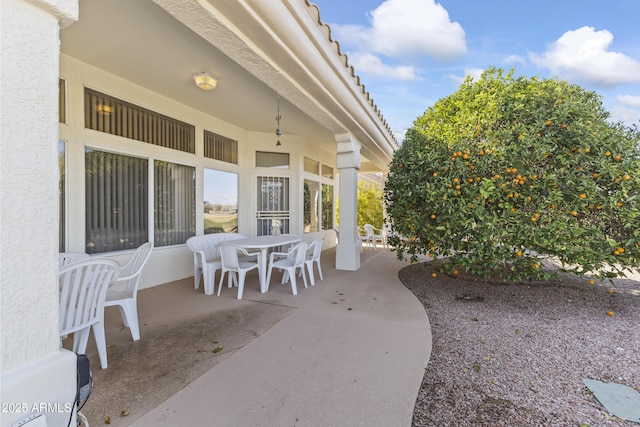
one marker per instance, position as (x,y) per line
(515,354)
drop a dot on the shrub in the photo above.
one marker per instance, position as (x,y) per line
(370,198)
(509,171)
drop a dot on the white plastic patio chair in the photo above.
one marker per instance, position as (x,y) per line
(314,251)
(289,262)
(231,265)
(360,237)
(373,235)
(386,233)
(124,291)
(66,258)
(359,233)
(206,261)
(83,288)
(206,258)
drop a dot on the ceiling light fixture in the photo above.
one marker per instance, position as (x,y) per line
(205,81)
(278,117)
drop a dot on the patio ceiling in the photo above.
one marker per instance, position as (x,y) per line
(161,47)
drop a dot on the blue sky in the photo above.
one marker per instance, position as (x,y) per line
(410,53)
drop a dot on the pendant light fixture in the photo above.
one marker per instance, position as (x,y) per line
(278,117)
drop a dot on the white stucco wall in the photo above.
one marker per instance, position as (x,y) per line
(34,369)
(168,264)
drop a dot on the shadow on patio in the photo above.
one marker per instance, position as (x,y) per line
(349,351)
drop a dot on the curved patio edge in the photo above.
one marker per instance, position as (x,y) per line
(352,352)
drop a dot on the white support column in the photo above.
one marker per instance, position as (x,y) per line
(348,163)
(37,376)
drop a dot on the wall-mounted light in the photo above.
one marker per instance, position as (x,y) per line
(205,81)
(104,109)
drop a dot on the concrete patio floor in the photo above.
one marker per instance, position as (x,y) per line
(350,351)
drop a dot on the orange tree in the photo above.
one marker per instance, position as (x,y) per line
(509,171)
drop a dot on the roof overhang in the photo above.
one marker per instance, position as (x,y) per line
(257,49)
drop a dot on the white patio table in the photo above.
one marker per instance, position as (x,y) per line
(263,243)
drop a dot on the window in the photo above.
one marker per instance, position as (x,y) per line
(327,207)
(311,199)
(220,148)
(61,228)
(311,166)
(116,201)
(117,194)
(220,202)
(327,171)
(272,160)
(111,115)
(318,198)
(174,203)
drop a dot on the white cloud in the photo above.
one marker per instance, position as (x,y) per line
(407,28)
(371,64)
(628,116)
(628,111)
(629,100)
(474,73)
(515,59)
(584,55)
